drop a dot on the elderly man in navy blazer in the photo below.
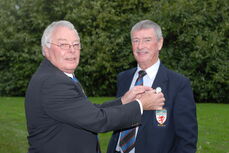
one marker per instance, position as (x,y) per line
(171,130)
(60,118)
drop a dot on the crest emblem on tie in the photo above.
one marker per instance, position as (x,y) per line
(161,116)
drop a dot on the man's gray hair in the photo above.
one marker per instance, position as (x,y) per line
(147,24)
(47,34)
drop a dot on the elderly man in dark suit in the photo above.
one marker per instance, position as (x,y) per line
(60,119)
(171,130)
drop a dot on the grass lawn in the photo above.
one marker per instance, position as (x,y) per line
(212,121)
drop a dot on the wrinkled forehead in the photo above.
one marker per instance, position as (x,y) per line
(143,33)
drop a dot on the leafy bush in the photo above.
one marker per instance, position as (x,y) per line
(195,33)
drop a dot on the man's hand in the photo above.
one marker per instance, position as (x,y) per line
(152,101)
(134,93)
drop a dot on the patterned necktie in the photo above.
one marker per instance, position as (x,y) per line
(75,79)
(127,137)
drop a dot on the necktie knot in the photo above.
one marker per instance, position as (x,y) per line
(139,80)
(141,73)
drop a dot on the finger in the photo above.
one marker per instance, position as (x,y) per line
(138,96)
(162,104)
(145,88)
(159,108)
(141,90)
(161,95)
(151,92)
(162,99)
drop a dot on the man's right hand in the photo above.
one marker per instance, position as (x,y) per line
(134,93)
(152,101)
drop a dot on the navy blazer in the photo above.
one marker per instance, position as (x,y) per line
(178,134)
(60,119)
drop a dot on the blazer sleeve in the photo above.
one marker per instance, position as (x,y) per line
(115,102)
(65,102)
(185,119)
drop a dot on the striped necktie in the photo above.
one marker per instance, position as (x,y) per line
(127,137)
(75,79)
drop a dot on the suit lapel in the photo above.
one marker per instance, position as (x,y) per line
(160,81)
(56,71)
(79,86)
(126,82)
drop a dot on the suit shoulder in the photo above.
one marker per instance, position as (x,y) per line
(175,75)
(126,72)
(41,74)
(45,74)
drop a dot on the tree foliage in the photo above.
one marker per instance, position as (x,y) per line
(195,41)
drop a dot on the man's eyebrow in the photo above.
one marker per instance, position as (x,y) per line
(61,39)
(135,38)
(147,37)
(142,38)
(75,41)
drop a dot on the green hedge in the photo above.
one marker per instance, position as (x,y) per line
(196,41)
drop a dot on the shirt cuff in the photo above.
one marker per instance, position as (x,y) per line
(140,104)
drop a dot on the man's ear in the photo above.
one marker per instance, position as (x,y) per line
(46,52)
(160,43)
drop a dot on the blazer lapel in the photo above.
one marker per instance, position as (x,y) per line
(55,70)
(160,81)
(126,82)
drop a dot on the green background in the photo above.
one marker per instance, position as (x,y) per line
(195,33)
(212,119)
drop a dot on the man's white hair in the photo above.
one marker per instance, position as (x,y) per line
(46,37)
(147,24)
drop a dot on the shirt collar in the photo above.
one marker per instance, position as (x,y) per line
(152,70)
(69,74)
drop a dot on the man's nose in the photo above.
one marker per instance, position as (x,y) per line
(140,44)
(71,48)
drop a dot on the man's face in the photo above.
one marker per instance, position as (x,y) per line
(146,47)
(64,59)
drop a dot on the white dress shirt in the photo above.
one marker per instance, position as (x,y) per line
(148,80)
(69,74)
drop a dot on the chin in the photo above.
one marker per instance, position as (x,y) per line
(141,60)
(70,67)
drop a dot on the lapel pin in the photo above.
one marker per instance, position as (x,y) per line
(158,89)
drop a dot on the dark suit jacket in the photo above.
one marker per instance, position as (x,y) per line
(60,119)
(179,132)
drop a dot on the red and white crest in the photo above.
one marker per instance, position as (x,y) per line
(161,116)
